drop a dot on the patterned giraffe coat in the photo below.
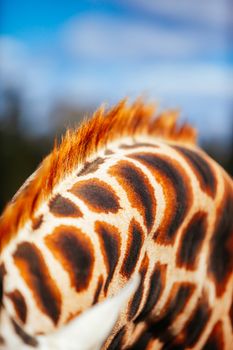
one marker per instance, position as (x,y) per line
(121,239)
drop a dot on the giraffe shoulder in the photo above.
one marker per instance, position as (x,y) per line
(83,143)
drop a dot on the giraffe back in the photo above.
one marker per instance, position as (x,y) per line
(144,200)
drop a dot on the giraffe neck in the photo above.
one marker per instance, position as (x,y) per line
(139,205)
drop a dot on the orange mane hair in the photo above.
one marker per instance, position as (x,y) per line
(77,145)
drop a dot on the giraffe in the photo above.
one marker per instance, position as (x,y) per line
(121,239)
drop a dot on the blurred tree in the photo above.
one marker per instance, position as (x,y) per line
(64,116)
(19,155)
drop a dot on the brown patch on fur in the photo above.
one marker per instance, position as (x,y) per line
(201,168)
(34,271)
(138,188)
(97,195)
(177,192)
(108,152)
(196,324)
(74,251)
(160,326)
(63,207)
(155,290)
(137,298)
(37,222)
(110,243)
(220,265)
(26,338)
(19,304)
(191,241)
(2,274)
(118,340)
(98,289)
(91,167)
(2,341)
(216,338)
(78,145)
(231,313)
(133,249)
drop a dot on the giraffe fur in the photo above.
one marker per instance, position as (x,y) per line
(125,194)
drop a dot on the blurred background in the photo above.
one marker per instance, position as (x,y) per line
(60,59)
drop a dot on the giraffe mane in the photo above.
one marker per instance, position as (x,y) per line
(77,145)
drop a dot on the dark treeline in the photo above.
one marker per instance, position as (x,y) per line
(20,153)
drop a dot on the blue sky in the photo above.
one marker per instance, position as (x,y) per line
(84,53)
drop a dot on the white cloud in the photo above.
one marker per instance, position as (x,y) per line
(186,79)
(159,80)
(207,12)
(31,76)
(203,93)
(198,89)
(13,58)
(19,66)
(110,38)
